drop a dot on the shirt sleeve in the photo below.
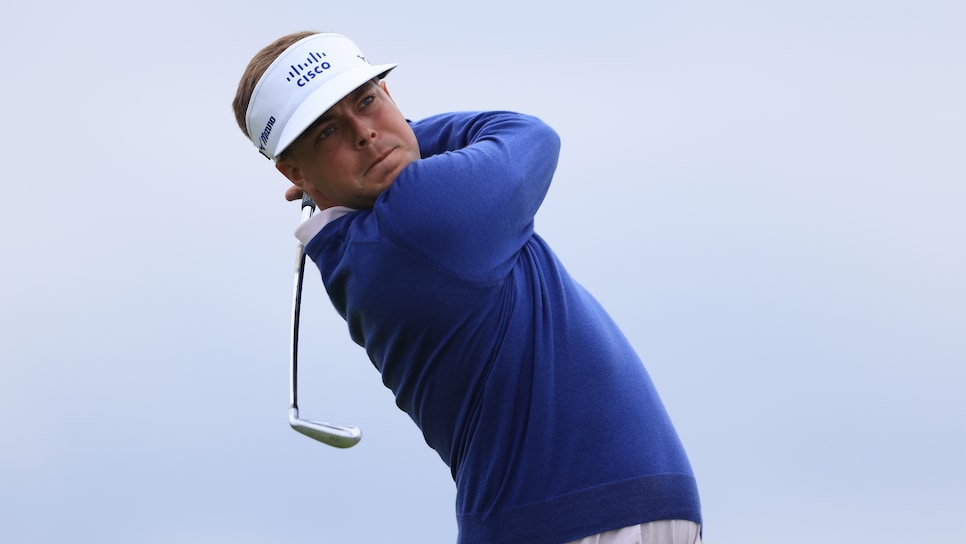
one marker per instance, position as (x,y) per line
(469,203)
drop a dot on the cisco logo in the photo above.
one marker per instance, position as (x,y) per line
(301,73)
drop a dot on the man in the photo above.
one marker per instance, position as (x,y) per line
(515,375)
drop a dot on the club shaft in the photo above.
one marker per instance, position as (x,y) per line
(308,207)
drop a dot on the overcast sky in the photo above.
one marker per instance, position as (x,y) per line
(768,196)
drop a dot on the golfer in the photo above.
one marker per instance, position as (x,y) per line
(425,241)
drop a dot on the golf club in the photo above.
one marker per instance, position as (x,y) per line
(339,436)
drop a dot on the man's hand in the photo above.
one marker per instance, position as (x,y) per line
(295,193)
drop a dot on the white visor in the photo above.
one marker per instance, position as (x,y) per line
(307,79)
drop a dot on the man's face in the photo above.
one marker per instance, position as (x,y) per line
(354,151)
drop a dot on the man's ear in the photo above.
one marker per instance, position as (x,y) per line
(294,174)
(385,88)
(291,171)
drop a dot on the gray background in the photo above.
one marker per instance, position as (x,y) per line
(768,197)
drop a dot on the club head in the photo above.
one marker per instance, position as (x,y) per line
(339,436)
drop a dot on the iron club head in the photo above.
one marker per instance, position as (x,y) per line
(339,436)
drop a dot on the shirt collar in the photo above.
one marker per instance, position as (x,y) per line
(307,230)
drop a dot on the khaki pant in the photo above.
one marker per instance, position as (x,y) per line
(672,531)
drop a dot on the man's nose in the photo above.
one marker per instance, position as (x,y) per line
(364,132)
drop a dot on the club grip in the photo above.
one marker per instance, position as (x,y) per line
(307,201)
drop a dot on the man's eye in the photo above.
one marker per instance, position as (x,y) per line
(325,133)
(367,100)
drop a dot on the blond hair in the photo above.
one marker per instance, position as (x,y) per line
(256,68)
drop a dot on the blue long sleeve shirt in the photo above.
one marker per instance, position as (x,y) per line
(514,373)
